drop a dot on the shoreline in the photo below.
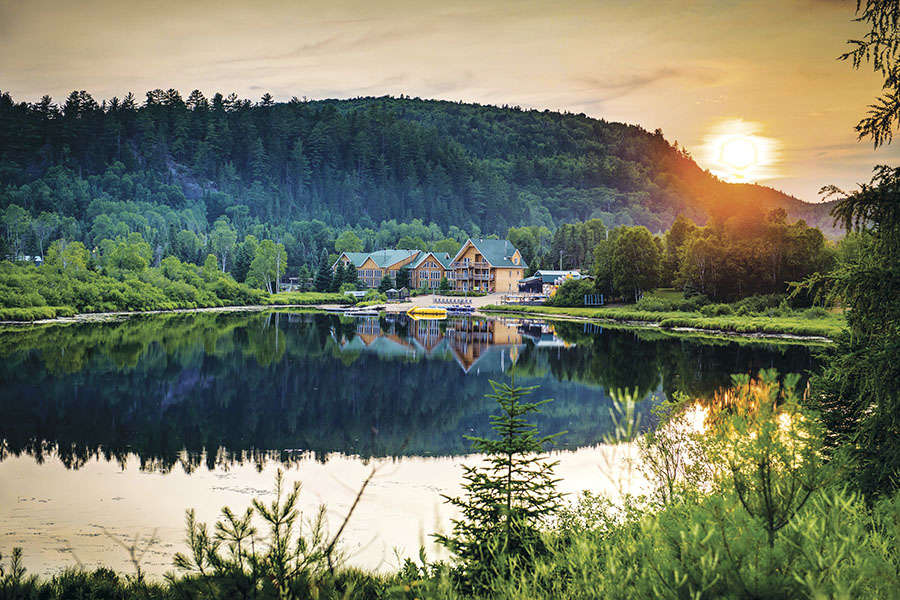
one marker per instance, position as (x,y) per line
(118,315)
(657,326)
(106,317)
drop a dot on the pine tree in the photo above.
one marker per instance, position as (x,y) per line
(351,275)
(403,278)
(508,497)
(323,277)
(338,278)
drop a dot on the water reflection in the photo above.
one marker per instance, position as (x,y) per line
(217,389)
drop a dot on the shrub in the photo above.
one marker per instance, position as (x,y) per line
(35,313)
(658,304)
(816,312)
(716,310)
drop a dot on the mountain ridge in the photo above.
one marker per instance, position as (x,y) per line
(361,161)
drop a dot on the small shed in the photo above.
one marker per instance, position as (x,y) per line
(404,293)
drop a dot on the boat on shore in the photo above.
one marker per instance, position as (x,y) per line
(427,312)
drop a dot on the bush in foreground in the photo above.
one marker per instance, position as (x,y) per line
(747,507)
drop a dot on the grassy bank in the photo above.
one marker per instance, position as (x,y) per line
(31,293)
(829,325)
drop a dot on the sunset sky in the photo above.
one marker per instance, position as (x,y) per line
(697,70)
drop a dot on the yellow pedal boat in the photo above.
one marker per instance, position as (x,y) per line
(427,312)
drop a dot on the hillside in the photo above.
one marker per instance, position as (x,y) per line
(351,162)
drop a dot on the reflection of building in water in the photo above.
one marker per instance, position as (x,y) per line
(427,333)
(481,345)
(542,334)
(477,345)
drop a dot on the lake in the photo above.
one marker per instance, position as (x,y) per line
(111,430)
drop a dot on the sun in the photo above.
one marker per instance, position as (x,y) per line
(735,151)
(739,152)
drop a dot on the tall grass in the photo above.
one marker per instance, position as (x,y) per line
(800,323)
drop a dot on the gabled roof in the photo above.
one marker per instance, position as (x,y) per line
(356,258)
(386,258)
(497,252)
(441,257)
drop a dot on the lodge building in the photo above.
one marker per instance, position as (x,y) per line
(481,265)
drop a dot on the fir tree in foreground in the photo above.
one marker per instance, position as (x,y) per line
(508,497)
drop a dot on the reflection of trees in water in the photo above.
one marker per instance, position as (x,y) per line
(169,387)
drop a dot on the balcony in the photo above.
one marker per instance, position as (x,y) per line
(469,265)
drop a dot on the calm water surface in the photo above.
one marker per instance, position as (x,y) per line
(112,430)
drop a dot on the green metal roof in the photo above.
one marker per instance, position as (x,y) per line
(444,258)
(357,258)
(386,258)
(441,257)
(497,252)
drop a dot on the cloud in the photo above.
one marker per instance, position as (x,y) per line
(617,86)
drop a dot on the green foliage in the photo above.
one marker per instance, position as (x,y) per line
(627,263)
(402,278)
(880,47)
(857,391)
(348,241)
(35,313)
(64,285)
(635,262)
(508,498)
(304,173)
(268,266)
(444,286)
(307,298)
(572,293)
(323,277)
(654,303)
(745,508)
(830,326)
(289,561)
(740,257)
(772,449)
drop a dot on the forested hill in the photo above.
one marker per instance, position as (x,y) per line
(353,162)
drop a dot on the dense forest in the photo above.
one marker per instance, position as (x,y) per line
(303,172)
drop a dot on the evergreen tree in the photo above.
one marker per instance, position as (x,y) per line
(323,277)
(403,278)
(506,499)
(857,391)
(246,252)
(338,277)
(350,275)
(444,286)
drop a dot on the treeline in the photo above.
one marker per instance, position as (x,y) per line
(184,234)
(350,163)
(723,261)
